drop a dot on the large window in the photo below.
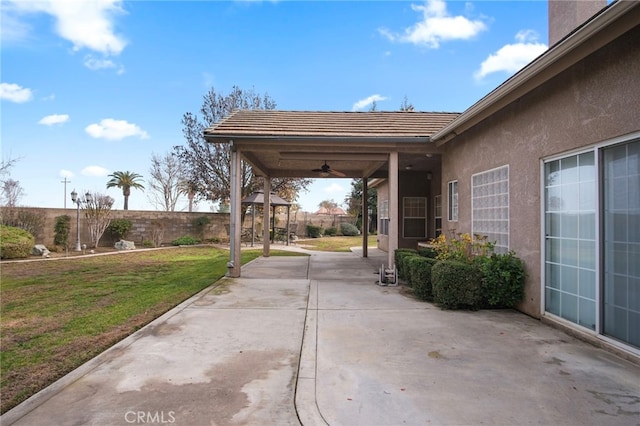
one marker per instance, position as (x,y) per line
(437,211)
(384,218)
(414,217)
(490,206)
(453,201)
(592,240)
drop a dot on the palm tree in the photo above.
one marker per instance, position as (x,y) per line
(126,181)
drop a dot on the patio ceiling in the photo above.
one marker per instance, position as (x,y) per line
(293,143)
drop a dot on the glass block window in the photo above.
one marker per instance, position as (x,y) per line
(490,206)
(453,200)
(414,217)
(384,217)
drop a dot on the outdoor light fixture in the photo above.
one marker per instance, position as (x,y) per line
(78,201)
(409,167)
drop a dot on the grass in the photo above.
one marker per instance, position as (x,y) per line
(338,244)
(58,314)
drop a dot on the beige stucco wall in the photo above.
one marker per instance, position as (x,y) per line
(592,102)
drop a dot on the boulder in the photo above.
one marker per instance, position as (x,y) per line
(40,250)
(124,245)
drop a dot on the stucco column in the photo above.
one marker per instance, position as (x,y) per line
(266,238)
(365,217)
(233,267)
(393,206)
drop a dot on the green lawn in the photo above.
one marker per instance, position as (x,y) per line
(338,244)
(58,314)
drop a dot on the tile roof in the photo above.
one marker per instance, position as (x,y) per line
(329,124)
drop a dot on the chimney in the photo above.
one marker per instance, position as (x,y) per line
(566,15)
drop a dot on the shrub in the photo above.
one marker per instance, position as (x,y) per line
(62,228)
(348,230)
(429,252)
(186,240)
(503,277)
(157,233)
(456,284)
(419,268)
(314,231)
(31,222)
(119,228)
(330,232)
(15,243)
(201,224)
(398,258)
(462,247)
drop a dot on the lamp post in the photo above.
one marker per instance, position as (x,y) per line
(78,201)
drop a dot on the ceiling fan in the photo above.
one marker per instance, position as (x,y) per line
(325,171)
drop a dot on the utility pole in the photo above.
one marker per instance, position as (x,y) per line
(65,181)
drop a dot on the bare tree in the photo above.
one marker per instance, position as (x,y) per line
(406,105)
(209,163)
(166,183)
(11,192)
(97,211)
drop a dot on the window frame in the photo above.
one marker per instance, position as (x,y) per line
(452,201)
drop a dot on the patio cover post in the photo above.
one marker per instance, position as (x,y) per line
(365,217)
(393,206)
(267,223)
(233,267)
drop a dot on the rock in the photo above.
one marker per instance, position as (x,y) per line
(124,245)
(40,250)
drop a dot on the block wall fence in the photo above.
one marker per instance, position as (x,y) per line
(174,224)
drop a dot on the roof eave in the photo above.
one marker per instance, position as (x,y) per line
(542,69)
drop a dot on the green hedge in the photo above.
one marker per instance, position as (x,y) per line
(398,257)
(186,240)
(503,277)
(314,231)
(457,284)
(419,272)
(331,232)
(15,243)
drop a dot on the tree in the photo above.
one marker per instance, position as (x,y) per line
(97,211)
(11,193)
(406,105)
(167,181)
(208,164)
(330,205)
(125,181)
(354,203)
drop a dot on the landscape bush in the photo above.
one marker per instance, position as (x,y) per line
(15,243)
(429,252)
(119,228)
(331,232)
(503,277)
(348,230)
(30,221)
(186,240)
(314,231)
(61,231)
(457,284)
(398,258)
(419,272)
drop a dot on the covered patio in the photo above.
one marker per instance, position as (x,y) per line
(303,144)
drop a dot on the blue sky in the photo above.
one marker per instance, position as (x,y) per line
(92,87)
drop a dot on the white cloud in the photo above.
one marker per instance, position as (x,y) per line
(66,173)
(111,129)
(363,103)
(54,119)
(97,171)
(512,57)
(436,26)
(86,24)
(333,188)
(15,93)
(12,28)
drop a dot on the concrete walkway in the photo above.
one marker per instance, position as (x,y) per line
(314,341)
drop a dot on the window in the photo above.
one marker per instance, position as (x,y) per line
(453,201)
(437,212)
(592,239)
(384,217)
(490,206)
(414,217)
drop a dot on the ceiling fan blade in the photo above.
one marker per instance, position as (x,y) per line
(337,173)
